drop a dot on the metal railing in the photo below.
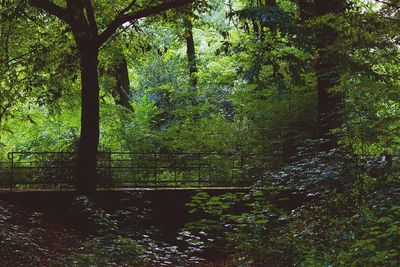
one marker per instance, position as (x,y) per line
(137,170)
(55,170)
(5,178)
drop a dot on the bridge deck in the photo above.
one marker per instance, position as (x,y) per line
(129,189)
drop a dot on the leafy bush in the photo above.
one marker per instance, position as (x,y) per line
(343,217)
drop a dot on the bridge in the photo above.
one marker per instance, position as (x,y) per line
(129,171)
(45,181)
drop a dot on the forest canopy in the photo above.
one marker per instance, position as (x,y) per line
(247,71)
(209,76)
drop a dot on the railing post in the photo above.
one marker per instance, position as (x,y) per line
(109,168)
(175,169)
(242,169)
(60,170)
(155,170)
(135,168)
(199,169)
(12,169)
(30,171)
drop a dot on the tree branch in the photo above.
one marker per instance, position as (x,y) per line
(149,11)
(50,8)
(388,3)
(126,9)
(90,14)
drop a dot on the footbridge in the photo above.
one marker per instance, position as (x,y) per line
(124,171)
(44,181)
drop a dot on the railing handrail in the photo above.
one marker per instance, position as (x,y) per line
(150,153)
(140,168)
(186,153)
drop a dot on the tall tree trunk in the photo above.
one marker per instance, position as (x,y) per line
(89,138)
(121,91)
(306,9)
(326,68)
(327,74)
(191,55)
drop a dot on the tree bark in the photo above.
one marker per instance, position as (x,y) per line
(328,75)
(326,68)
(121,91)
(191,55)
(306,9)
(89,139)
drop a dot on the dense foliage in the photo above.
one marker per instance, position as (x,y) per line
(315,83)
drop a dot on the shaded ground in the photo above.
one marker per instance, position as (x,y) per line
(48,238)
(31,238)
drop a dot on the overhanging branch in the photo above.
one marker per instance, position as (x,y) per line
(50,8)
(149,11)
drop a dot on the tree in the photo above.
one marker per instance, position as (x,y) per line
(81,18)
(327,73)
(326,66)
(190,51)
(121,90)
